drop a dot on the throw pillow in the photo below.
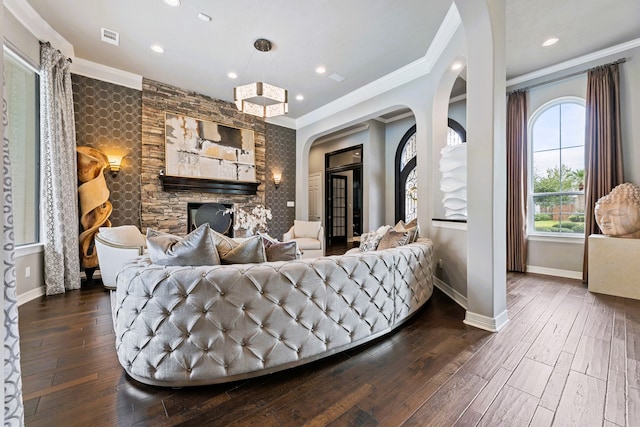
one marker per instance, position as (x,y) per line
(127,235)
(223,243)
(196,248)
(308,229)
(393,239)
(402,227)
(282,251)
(248,252)
(369,241)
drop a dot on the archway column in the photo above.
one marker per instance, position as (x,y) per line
(484,25)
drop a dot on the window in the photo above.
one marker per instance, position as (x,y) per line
(556,172)
(407,177)
(21,91)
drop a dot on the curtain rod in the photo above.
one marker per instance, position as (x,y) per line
(557,79)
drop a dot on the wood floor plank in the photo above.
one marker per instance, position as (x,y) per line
(543,417)
(485,398)
(592,357)
(555,387)
(600,321)
(340,407)
(615,404)
(633,414)
(511,408)
(571,344)
(531,377)
(582,402)
(446,405)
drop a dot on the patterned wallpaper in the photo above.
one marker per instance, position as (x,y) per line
(109,118)
(281,154)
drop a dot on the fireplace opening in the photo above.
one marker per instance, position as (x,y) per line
(213,213)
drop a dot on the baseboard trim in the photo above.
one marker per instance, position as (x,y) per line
(569,274)
(30,295)
(456,296)
(491,324)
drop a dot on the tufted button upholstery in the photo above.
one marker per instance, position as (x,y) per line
(181,326)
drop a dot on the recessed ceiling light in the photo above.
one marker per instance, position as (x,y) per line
(174,3)
(232,75)
(456,66)
(550,42)
(337,77)
(299,97)
(204,17)
(321,70)
(157,48)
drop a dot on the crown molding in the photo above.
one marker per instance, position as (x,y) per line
(283,121)
(409,72)
(33,22)
(107,74)
(580,60)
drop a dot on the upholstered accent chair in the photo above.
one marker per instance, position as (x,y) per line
(115,247)
(309,235)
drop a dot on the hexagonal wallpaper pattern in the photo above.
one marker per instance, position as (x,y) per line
(109,118)
(280,154)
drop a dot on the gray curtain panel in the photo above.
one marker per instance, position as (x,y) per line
(59,182)
(13,407)
(603,145)
(517,182)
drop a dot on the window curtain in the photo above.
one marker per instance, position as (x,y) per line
(13,407)
(603,145)
(59,196)
(517,182)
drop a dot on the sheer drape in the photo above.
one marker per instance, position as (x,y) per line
(603,144)
(517,182)
(13,407)
(59,197)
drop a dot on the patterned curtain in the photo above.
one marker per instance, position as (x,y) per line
(517,182)
(13,408)
(603,145)
(59,197)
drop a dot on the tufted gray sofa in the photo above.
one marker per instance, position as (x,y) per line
(188,326)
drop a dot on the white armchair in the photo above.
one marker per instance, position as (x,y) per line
(116,246)
(309,235)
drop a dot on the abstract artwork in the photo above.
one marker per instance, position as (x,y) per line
(202,149)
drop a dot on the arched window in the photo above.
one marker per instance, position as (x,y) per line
(556,172)
(406,177)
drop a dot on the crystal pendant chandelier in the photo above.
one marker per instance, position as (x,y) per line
(259,98)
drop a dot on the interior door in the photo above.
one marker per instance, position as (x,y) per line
(338,217)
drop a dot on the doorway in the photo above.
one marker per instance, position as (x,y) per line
(343,184)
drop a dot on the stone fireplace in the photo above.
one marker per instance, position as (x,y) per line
(167,210)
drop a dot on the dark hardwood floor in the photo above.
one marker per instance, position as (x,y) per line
(567,357)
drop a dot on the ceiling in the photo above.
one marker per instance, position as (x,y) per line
(361,40)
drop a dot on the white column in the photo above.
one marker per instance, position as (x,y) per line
(484,26)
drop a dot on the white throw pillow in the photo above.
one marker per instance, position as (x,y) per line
(308,229)
(127,235)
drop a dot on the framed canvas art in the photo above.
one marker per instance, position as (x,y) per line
(197,148)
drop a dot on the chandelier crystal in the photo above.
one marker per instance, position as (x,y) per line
(259,98)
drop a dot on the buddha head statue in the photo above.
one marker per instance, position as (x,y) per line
(618,213)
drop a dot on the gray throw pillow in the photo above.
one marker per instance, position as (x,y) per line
(196,248)
(248,252)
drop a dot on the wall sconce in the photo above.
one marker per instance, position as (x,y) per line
(277,177)
(115,160)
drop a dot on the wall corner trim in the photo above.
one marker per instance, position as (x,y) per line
(30,295)
(491,324)
(456,296)
(107,74)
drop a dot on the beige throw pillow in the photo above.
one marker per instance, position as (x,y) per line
(223,243)
(393,239)
(413,231)
(196,248)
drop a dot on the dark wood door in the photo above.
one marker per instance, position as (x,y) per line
(338,213)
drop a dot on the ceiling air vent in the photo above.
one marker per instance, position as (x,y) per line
(110,36)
